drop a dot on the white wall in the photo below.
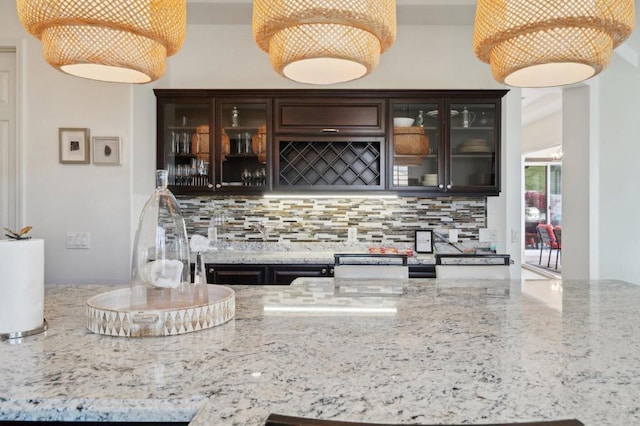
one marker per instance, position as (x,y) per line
(106,201)
(579,148)
(505,213)
(433,57)
(542,134)
(618,170)
(61,198)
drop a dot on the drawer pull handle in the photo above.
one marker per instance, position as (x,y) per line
(330,130)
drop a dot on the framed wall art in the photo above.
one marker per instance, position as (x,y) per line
(74,145)
(424,241)
(106,150)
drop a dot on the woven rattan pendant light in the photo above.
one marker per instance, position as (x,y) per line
(123,41)
(541,43)
(324,41)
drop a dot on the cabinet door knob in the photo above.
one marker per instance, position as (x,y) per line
(218,185)
(323,271)
(440,186)
(330,130)
(210,186)
(449,186)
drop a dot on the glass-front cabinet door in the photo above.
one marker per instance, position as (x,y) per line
(243,149)
(448,145)
(415,147)
(473,152)
(184,147)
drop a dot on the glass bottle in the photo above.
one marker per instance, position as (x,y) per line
(234,117)
(160,274)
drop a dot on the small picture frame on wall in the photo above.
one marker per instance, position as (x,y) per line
(106,150)
(424,241)
(74,145)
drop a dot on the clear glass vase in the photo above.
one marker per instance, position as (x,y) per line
(160,270)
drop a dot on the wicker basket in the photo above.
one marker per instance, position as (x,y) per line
(408,160)
(200,142)
(410,141)
(259,143)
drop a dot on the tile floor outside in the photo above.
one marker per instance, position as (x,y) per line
(532,265)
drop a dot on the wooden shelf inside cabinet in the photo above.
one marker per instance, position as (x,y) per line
(488,155)
(231,131)
(467,129)
(188,156)
(231,156)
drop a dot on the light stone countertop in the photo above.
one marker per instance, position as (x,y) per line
(293,257)
(294,253)
(446,352)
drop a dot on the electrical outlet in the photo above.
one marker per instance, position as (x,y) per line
(352,234)
(453,235)
(85,240)
(71,240)
(488,235)
(78,240)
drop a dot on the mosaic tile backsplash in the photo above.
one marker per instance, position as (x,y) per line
(327,220)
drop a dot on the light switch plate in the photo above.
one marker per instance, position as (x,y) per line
(78,240)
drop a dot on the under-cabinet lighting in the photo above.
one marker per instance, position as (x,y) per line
(330,310)
(371,196)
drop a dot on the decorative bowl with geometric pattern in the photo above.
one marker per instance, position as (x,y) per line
(111,314)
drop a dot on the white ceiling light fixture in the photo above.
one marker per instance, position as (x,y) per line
(324,41)
(544,43)
(125,41)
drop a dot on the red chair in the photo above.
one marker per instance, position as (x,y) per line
(557,231)
(547,240)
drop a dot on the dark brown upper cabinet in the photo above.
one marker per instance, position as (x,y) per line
(310,141)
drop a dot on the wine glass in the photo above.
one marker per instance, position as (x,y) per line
(260,176)
(246,177)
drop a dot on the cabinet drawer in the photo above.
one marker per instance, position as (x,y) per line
(236,274)
(287,273)
(330,115)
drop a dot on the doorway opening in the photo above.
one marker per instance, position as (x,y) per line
(543,214)
(9,149)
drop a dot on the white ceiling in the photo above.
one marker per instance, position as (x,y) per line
(409,12)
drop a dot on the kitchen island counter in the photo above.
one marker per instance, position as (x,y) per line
(440,352)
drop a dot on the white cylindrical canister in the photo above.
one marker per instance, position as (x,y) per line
(21,286)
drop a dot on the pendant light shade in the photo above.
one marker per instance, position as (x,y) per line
(541,43)
(124,41)
(324,41)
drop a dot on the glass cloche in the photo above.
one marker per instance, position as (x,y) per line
(160,271)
